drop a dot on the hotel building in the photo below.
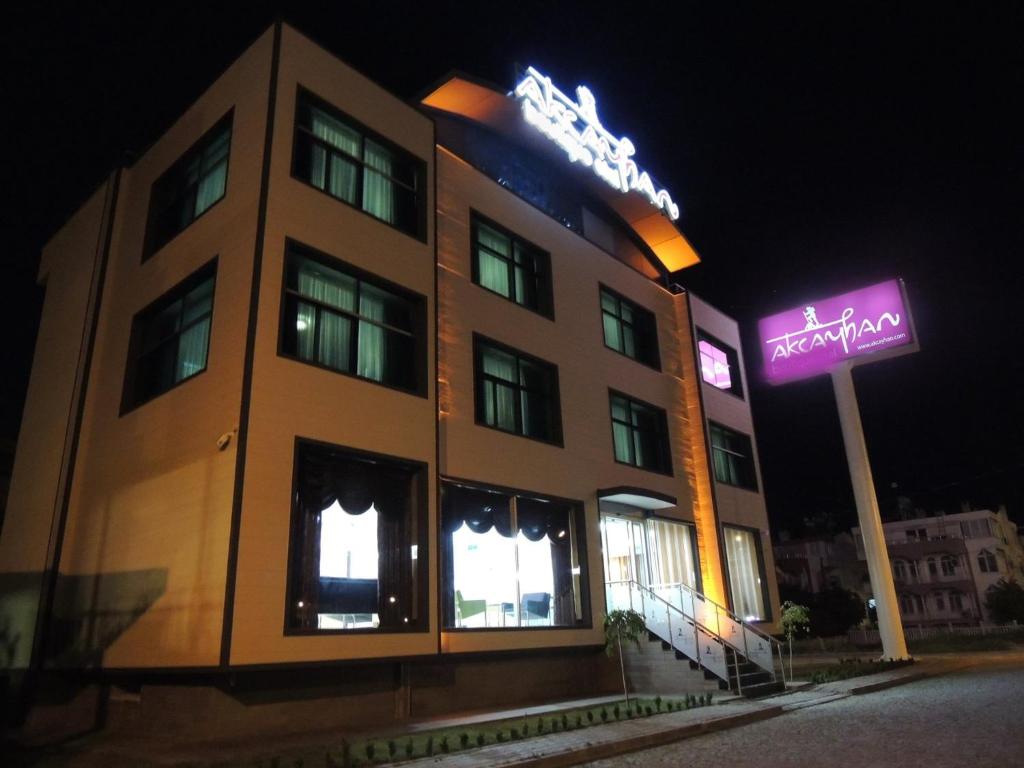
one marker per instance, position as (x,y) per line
(345,408)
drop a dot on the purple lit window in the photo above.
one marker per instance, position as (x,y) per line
(714,365)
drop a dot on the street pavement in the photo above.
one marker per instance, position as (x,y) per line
(973,717)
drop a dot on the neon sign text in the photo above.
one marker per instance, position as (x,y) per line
(576,128)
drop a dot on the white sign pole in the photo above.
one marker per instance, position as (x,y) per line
(894,646)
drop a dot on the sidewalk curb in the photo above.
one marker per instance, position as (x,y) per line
(895,682)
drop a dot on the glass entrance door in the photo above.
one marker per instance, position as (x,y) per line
(625,558)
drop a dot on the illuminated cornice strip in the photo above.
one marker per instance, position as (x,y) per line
(577,130)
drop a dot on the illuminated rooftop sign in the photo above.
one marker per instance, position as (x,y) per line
(576,128)
(813,338)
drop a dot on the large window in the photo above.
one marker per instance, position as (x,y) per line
(357,555)
(512,560)
(336,317)
(733,457)
(746,569)
(342,158)
(987,562)
(170,339)
(515,392)
(640,434)
(511,267)
(189,188)
(629,329)
(719,364)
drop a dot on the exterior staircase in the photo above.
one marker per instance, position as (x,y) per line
(708,636)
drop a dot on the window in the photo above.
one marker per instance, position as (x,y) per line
(512,560)
(189,188)
(170,339)
(640,434)
(629,329)
(719,364)
(515,392)
(911,604)
(948,565)
(340,157)
(899,570)
(987,562)
(358,531)
(335,317)
(511,267)
(976,529)
(746,566)
(933,568)
(733,457)
(940,601)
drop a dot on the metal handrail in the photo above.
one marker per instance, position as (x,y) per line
(772,642)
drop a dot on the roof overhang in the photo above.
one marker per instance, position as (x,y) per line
(488,106)
(637,497)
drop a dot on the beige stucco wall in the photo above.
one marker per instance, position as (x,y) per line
(151,501)
(292,399)
(737,506)
(586,371)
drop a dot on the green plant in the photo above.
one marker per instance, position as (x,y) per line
(526,728)
(371,750)
(429,749)
(565,722)
(540,725)
(579,721)
(795,619)
(1005,600)
(392,748)
(444,744)
(514,733)
(464,739)
(622,626)
(409,748)
(657,703)
(604,715)
(648,711)
(480,739)
(500,735)
(590,716)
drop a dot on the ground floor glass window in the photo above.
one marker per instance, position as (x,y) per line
(512,560)
(357,530)
(745,579)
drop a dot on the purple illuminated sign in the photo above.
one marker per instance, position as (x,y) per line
(810,339)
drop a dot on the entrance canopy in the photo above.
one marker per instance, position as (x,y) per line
(637,497)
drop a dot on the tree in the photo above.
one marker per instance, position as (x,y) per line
(834,611)
(618,626)
(1005,601)
(795,619)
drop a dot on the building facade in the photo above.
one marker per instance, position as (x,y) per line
(372,399)
(943,565)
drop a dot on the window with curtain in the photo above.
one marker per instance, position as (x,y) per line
(189,188)
(673,553)
(746,580)
(629,329)
(338,156)
(719,364)
(640,434)
(987,562)
(511,267)
(336,318)
(358,526)
(515,392)
(170,339)
(733,457)
(512,560)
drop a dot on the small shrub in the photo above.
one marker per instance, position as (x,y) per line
(565,722)
(501,737)
(657,703)
(464,739)
(480,739)
(514,733)
(579,721)
(616,711)
(409,748)
(648,711)
(526,728)
(371,750)
(429,749)
(604,715)
(540,725)
(590,715)
(392,748)
(444,744)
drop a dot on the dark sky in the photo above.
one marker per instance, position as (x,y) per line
(813,148)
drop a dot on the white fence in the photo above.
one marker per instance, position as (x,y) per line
(866,636)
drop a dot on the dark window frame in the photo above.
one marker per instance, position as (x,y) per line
(417,311)
(762,570)
(544,287)
(754,485)
(479,341)
(664,442)
(645,338)
(735,371)
(154,242)
(421,624)
(304,96)
(129,399)
(447,597)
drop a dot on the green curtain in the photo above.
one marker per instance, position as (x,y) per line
(378,189)
(335,331)
(343,172)
(499,400)
(612,335)
(493,271)
(214,170)
(371,347)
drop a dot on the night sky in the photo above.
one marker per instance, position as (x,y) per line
(813,149)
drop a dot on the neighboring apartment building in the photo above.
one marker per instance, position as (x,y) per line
(364,385)
(818,563)
(943,565)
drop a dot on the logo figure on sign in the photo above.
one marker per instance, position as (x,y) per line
(811,315)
